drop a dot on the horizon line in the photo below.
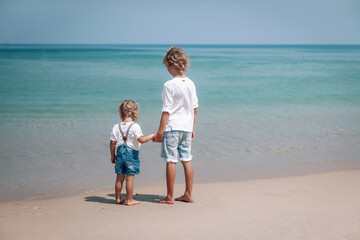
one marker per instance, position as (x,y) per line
(224,44)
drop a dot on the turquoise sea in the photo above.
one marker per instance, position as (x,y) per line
(264,111)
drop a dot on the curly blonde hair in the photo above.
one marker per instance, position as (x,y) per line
(129,108)
(177,58)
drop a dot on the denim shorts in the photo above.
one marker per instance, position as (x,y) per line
(127,161)
(176,145)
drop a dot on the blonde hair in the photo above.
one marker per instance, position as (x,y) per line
(129,108)
(177,58)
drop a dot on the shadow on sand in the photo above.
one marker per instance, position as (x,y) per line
(139,197)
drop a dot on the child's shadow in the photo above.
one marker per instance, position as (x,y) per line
(139,197)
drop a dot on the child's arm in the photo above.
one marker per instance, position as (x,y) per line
(160,132)
(144,139)
(112,151)
(195,116)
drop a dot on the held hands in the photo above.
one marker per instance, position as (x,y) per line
(157,137)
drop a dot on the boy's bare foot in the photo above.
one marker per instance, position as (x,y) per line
(119,201)
(131,202)
(185,198)
(166,201)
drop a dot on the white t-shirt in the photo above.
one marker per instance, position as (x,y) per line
(179,100)
(132,140)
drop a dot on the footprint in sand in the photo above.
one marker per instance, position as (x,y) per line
(37,208)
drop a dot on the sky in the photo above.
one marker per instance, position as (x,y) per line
(180,22)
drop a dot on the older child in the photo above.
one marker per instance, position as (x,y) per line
(177,124)
(126,138)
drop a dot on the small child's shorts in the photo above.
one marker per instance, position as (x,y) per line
(176,145)
(127,161)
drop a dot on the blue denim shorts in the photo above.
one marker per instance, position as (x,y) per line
(176,145)
(127,161)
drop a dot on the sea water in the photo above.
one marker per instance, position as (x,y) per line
(264,111)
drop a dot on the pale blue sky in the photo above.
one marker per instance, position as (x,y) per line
(180,22)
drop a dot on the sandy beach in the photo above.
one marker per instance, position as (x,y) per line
(320,206)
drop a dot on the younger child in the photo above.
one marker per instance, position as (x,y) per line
(177,124)
(125,140)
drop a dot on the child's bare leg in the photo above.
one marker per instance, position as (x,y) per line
(189,174)
(118,186)
(129,190)
(170,181)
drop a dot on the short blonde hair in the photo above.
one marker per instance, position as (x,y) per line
(129,108)
(177,58)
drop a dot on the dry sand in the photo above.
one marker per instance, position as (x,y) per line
(322,206)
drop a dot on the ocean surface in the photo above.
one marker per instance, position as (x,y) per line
(264,111)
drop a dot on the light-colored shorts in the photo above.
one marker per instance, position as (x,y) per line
(176,145)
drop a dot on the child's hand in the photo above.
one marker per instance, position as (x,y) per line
(113,160)
(153,138)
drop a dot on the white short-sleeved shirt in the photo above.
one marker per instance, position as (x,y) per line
(132,140)
(179,100)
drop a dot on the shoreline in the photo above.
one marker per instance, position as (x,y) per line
(203,176)
(316,206)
